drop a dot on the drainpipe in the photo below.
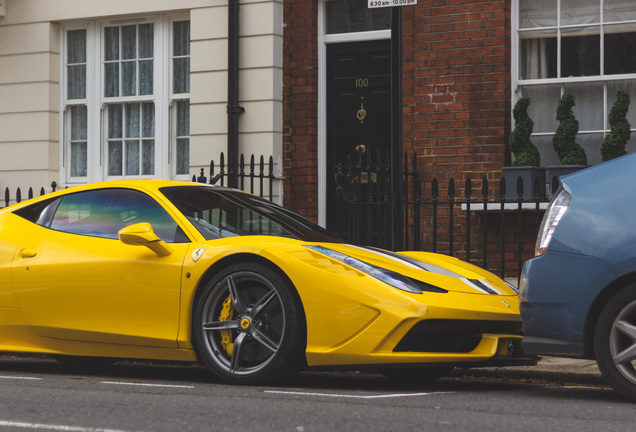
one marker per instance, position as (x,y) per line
(234,110)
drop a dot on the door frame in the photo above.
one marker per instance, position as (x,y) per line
(323,40)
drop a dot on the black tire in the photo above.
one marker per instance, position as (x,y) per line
(249,326)
(415,377)
(615,342)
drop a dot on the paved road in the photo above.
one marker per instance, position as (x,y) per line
(36,394)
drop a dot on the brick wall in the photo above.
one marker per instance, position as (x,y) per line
(300,107)
(457,85)
(456,92)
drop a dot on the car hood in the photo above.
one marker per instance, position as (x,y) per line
(439,270)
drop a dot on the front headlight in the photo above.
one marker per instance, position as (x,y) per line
(389,277)
(551,219)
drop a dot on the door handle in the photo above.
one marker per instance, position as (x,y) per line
(27,253)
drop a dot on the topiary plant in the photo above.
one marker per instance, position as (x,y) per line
(526,153)
(564,140)
(614,143)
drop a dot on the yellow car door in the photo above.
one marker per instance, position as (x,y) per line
(75,280)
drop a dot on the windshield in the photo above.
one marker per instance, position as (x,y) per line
(218,212)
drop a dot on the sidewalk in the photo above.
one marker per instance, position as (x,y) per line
(565,370)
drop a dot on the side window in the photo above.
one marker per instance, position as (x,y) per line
(102,213)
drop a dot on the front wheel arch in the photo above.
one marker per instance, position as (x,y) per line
(227,261)
(255,274)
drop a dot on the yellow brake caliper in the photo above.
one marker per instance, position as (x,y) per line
(226,335)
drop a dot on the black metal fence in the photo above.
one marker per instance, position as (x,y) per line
(17,197)
(257,179)
(468,219)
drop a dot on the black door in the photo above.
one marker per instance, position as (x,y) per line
(358,109)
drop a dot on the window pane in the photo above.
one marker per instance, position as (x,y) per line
(348,16)
(542,109)
(132,157)
(148,119)
(146,41)
(79,158)
(146,77)
(538,58)
(617,45)
(76,82)
(537,13)
(111,81)
(580,12)
(619,10)
(183,138)
(76,61)
(79,123)
(129,42)
(630,87)
(79,128)
(115,158)
(183,118)
(588,108)
(129,78)
(148,157)
(183,156)
(132,120)
(181,75)
(76,46)
(115,121)
(181,38)
(111,43)
(591,144)
(580,55)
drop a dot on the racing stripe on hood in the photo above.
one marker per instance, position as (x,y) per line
(478,284)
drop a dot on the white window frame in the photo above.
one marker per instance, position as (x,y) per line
(96,103)
(518,84)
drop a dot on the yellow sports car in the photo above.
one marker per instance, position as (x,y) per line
(156,269)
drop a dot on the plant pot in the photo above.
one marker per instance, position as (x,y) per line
(554,173)
(533,182)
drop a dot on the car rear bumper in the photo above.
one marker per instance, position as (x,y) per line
(556,293)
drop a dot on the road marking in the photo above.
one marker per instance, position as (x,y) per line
(147,385)
(19,377)
(380,396)
(42,426)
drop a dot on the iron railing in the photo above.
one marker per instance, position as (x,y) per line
(257,179)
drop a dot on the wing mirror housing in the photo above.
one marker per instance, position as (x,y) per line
(142,234)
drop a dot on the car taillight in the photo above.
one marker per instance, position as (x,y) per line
(551,219)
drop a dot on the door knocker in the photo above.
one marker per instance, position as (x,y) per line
(362,113)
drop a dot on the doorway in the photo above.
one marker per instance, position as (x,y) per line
(358,110)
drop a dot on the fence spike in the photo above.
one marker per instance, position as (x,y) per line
(519,187)
(502,189)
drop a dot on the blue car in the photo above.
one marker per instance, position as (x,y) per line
(578,295)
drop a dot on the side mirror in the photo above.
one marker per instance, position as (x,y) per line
(141,234)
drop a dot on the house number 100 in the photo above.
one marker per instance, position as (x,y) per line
(362,82)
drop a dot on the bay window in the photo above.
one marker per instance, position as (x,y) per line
(126,99)
(583,47)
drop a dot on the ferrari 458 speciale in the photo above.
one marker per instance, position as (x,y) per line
(166,270)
